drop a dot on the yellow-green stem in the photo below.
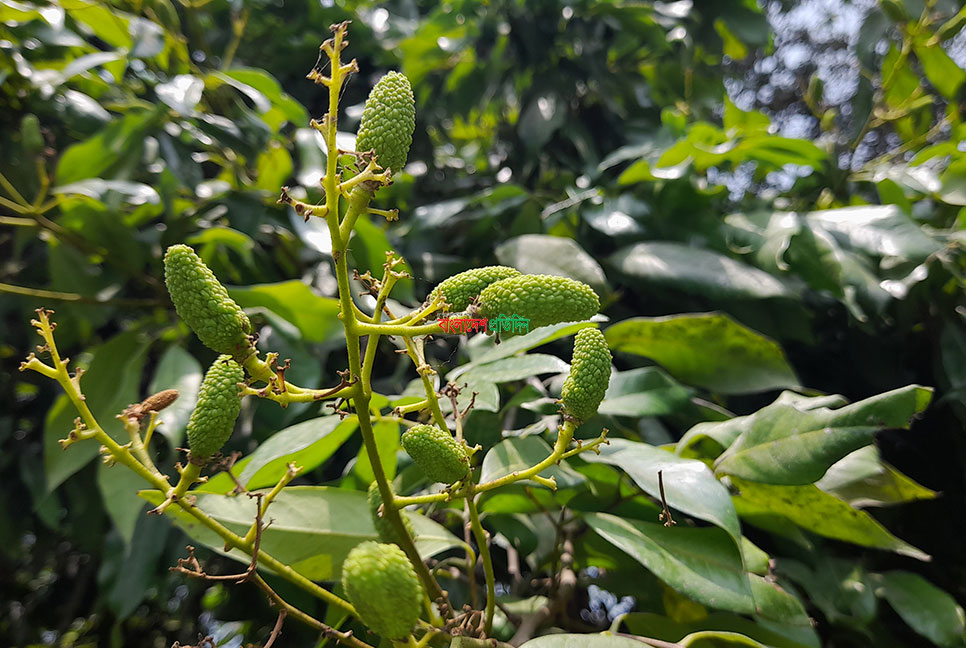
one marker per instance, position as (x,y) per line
(480,534)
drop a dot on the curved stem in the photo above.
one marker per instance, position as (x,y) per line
(122,455)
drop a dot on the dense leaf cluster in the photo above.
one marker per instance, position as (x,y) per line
(775,300)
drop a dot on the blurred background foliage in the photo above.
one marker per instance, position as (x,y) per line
(797,166)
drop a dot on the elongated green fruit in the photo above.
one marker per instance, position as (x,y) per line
(213,418)
(383,587)
(542,299)
(584,388)
(203,303)
(436,453)
(459,290)
(388,121)
(385,529)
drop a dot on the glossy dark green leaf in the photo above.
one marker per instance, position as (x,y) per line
(647,391)
(695,270)
(689,485)
(708,350)
(510,369)
(927,609)
(652,625)
(553,255)
(701,563)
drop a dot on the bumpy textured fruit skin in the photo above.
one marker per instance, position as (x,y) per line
(383,586)
(388,121)
(387,533)
(459,290)
(203,303)
(435,452)
(543,299)
(218,406)
(584,388)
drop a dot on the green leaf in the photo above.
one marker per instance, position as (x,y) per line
(655,626)
(510,369)
(387,442)
(841,589)
(708,350)
(927,609)
(603,640)
(119,491)
(723,433)
(368,247)
(881,230)
(313,527)
(273,167)
(820,513)
(137,570)
(786,445)
(317,318)
(117,146)
(483,348)
(177,369)
(309,444)
(862,479)
(520,453)
(266,93)
(698,271)
(647,391)
(689,485)
(718,639)
(701,563)
(940,69)
(109,385)
(553,255)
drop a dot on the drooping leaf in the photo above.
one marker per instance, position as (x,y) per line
(862,479)
(701,563)
(179,370)
(927,609)
(689,485)
(820,513)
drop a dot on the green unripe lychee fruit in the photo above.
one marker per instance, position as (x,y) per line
(203,303)
(584,388)
(383,587)
(436,453)
(542,299)
(459,290)
(388,121)
(385,529)
(213,418)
